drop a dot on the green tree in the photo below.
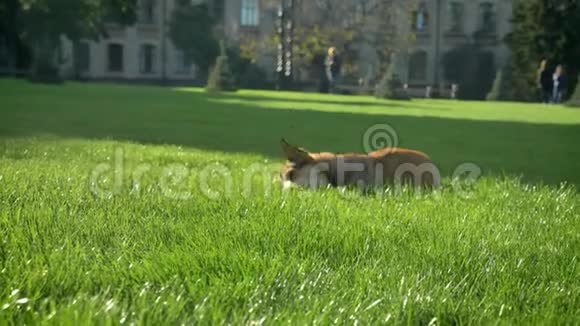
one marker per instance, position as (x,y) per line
(192,31)
(8,31)
(247,73)
(468,66)
(346,25)
(41,23)
(502,86)
(543,29)
(575,100)
(390,85)
(221,77)
(385,26)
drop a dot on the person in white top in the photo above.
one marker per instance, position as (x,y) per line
(559,84)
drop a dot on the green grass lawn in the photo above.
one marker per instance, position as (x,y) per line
(127,204)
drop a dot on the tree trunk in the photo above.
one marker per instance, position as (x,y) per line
(12,35)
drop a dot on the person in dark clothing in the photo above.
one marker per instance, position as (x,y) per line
(318,62)
(559,85)
(545,82)
(333,65)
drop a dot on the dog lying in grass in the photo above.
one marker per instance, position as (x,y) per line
(384,167)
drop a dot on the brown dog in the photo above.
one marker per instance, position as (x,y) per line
(387,166)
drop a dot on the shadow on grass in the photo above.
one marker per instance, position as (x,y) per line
(343,101)
(545,153)
(325,101)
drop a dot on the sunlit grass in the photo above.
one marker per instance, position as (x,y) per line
(76,247)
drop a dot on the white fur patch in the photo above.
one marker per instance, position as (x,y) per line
(287,185)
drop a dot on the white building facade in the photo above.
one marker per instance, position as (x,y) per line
(145,52)
(142,52)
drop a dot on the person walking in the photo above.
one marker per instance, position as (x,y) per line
(333,65)
(544,82)
(559,85)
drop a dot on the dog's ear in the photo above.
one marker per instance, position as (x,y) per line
(295,154)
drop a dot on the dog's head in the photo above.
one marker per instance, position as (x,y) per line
(303,169)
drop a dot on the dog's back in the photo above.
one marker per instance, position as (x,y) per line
(405,165)
(387,166)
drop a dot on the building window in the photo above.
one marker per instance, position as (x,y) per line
(421,18)
(82,55)
(418,66)
(250,13)
(147,59)
(487,17)
(146,12)
(456,17)
(115,56)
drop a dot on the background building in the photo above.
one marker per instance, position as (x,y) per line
(142,52)
(145,52)
(444,25)
(436,28)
